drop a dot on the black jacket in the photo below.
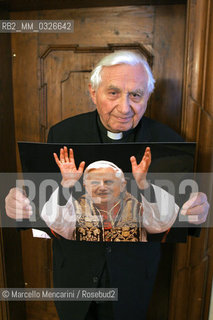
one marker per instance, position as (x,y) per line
(132,266)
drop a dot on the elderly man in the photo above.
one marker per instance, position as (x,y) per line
(107,212)
(120,87)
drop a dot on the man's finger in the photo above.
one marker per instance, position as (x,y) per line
(18,210)
(16,194)
(66,154)
(81,167)
(72,157)
(196,219)
(195,199)
(148,151)
(71,154)
(149,155)
(57,160)
(18,213)
(198,210)
(62,155)
(133,161)
(18,205)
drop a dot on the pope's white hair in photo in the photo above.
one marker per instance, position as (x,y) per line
(104,164)
(121,57)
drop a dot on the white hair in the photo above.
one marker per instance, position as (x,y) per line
(121,57)
(105,164)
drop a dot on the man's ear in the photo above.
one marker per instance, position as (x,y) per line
(85,187)
(123,185)
(92,93)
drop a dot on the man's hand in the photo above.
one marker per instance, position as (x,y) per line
(140,170)
(196,208)
(17,205)
(66,164)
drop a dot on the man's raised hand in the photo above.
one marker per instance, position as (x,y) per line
(66,164)
(140,170)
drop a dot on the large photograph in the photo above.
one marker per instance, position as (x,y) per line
(117,193)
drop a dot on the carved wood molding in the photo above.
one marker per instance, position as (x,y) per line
(110,48)
(193,267)
(195,67)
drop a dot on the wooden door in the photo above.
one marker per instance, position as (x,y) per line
(50,76)
(193,263)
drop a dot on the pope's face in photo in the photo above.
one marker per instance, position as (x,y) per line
(104,186)
(122,96)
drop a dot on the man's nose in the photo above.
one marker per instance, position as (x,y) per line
(102,184)
(124,104)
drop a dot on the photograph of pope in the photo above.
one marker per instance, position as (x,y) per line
(107,212)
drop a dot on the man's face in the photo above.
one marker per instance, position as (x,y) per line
(103,186)
(121,98)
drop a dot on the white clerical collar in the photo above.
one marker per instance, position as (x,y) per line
(115,136)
